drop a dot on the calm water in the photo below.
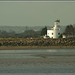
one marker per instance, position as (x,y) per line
(33,53)
(9,56)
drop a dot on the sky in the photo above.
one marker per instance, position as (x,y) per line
(36,13)
(37,0)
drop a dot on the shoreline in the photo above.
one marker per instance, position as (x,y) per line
(34,47)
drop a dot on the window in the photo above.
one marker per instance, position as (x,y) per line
(52,33)
(58,33)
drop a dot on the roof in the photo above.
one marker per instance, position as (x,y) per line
(57,21)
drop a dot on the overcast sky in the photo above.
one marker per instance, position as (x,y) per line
(36,13)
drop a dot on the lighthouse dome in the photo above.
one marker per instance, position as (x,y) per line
(57,21)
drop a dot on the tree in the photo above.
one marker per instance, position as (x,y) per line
(44,31)
(60,36)
(69,30)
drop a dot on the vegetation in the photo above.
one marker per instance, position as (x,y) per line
(44,31)
(34,38)
(25,34)
(70,30)
(36,42)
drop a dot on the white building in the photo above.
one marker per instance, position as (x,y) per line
(68,36)
(56,31)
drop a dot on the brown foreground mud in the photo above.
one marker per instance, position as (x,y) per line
(34,47)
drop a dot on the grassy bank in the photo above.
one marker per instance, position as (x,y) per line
(34,47)
(36,43)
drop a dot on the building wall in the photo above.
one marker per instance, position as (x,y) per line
(53,33)
(68,36)
(56,31)
(64,36)
(49,33)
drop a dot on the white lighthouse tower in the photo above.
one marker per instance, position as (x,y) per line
(56,31)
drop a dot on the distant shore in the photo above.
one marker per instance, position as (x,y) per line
(34,47)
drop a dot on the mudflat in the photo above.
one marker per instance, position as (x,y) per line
(35,47)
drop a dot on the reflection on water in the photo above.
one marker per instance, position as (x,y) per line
(48,60)
(37,51)
(53,53)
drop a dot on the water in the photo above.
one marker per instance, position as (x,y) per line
(37,61)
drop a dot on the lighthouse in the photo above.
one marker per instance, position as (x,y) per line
(56,31)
